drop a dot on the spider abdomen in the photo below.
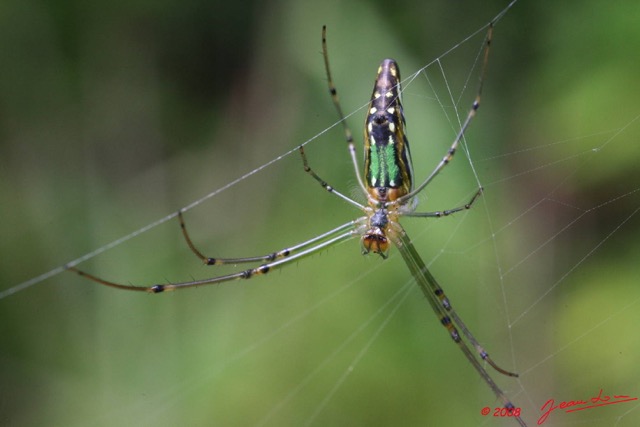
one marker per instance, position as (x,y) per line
(388,174)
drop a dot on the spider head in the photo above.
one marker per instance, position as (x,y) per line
(375,238)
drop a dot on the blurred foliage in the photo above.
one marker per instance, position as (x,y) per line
(115,114)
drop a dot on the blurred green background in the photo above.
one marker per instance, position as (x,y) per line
(116,114)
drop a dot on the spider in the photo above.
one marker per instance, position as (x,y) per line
(390,193)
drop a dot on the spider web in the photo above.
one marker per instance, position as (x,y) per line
(541,269)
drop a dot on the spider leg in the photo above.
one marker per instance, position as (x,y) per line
(452,150)
(304,249)
(324,183)
(440,214)
(336,102)
(282,253)
(449,318)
